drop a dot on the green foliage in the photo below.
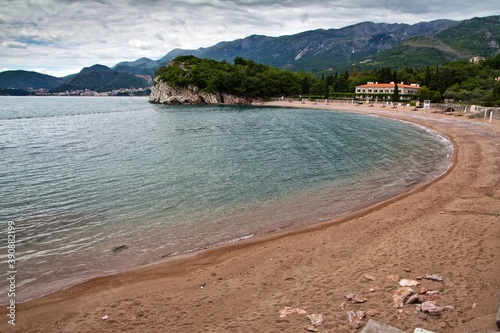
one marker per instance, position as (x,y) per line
(461,41)
(243,78)
(395,95)
(437,97)
(24,79)
(476,35)
(102,81)
(425,94)
(14,92)
(496,92)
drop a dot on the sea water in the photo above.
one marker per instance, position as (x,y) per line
(95,186)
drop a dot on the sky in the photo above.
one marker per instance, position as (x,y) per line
(60,37)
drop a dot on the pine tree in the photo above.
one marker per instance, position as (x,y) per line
(395,95)
(427,78)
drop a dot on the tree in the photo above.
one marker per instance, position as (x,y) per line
(239,61)
(306,86)
(395,75)
(427,79)
(395,95)
(425,94)
(493,62)
(385,75)
(437,97)
(496,92)
(341,84)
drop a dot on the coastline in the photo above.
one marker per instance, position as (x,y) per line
(448,226)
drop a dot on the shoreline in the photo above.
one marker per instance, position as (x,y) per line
(296,209)
(295,268)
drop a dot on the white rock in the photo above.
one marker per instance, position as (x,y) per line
(401,295)
(163,93)
(408,283)
(431,307)
(316,318)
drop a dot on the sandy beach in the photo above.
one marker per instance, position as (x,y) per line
(449,227)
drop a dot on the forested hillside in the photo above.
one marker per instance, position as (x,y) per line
(243,78)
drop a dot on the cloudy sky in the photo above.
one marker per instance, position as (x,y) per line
(59,37)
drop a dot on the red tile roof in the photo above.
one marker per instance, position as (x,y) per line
(387,85)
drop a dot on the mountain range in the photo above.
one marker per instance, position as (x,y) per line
(366,45)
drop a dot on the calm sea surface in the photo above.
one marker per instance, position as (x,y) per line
(82,176)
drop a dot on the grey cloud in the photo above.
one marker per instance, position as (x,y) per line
(14,45)
(80,33)
(304,17)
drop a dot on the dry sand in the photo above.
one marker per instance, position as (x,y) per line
(449,227)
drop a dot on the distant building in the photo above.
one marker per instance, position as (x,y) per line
(476,60)
(381,91)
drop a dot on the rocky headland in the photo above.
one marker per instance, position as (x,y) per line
(163,93)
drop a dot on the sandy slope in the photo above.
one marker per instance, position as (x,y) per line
(450,227)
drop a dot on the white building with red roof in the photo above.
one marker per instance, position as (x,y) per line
(375,90)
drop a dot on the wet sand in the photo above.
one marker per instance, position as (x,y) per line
(449,227)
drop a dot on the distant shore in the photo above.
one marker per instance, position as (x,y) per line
(448,227)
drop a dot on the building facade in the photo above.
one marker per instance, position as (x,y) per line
(382,91)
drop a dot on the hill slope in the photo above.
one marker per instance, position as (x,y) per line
(144,66)
(101,78)
(475,37)
(24,79)
(317,50)
(417,52)
(478,36)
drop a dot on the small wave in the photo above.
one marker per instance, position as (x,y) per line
(234,240)
(70,114)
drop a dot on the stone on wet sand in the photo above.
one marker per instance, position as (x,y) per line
(421,330)
(433,277)
(374,326)
(369,277)
(356,298)
(423,290)
(408,283)
(316,318)
(351,315)
(412,299)
(360,314)
(401,295)
(432,308)
(288,310)
(393,278)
